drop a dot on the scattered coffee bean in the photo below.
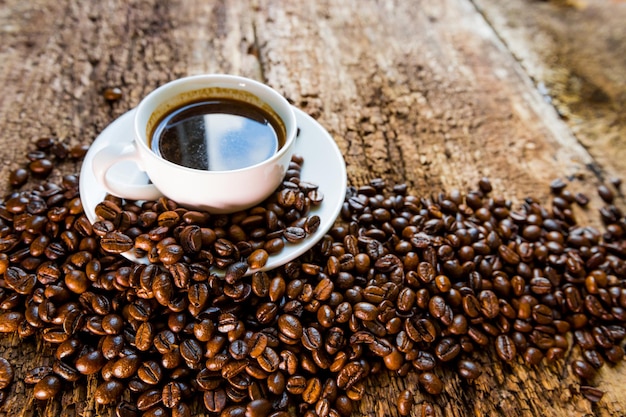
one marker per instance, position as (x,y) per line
(591,393)
(47,388)
(606,194)
(112,93)
(405,402)
(6,373)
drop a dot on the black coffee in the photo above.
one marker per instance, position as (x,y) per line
(217,135)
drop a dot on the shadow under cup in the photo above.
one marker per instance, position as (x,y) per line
(215,129)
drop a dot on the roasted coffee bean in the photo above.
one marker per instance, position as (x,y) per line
(108,392)
(469,369)
(294,234)
(191,351)
(290,326)
(258,258)
(150,372)
(18,177)
(269,360)
(405,402)
(126,409)
(6,373)
(489,305)
(583,369)
(606,194)
(426,409)
(350,374)
(312,391)
(431,383)
(112,346)
(238,349)
(116,242)
(215,401)
(614,354)
(258,408)
(41,167)
(365,311)
(591,393)
(144,336)
(172,394)
(90,362)
(66,371)
(156,411)
(48,387)
(126,366)
(447,349)
(149,399)
(36,374)
(165,341)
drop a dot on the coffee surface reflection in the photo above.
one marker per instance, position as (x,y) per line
(217,135)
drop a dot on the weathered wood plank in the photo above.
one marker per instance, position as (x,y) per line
(417,92)
(575,52)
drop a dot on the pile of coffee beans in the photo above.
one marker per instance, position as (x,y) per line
(163,233)
(400,283)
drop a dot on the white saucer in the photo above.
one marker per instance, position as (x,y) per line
(323,165)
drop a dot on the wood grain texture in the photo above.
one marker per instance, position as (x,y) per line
(575,52)
(422,92)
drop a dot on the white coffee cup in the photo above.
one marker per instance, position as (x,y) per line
(219,191)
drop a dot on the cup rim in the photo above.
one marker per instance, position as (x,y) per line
(235,82)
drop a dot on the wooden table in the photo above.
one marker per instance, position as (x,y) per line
(422,92)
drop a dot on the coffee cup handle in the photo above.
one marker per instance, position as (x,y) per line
(109,156)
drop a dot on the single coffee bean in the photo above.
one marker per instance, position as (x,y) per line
(431,383)
(258,258)
(614,354)
(126,366)
(312,391)
(108,392)
(150,372)
(294,234)
(290,326)
(583,369)
(116,242)
(165,341)
(234,411)
(48,387)
(66,371)
(215,401)
(606,194)
(36,374)
(172,394)
(258,408)
(41,167)
(427,410)
(181,410)
(405,402)
(149,399)
(90,362)
(191,351)
(365,311)
(469,369)
(126,409)
(144,336)
(6,373)
(350,374)
(18,177)
(591,393)
(557,185)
